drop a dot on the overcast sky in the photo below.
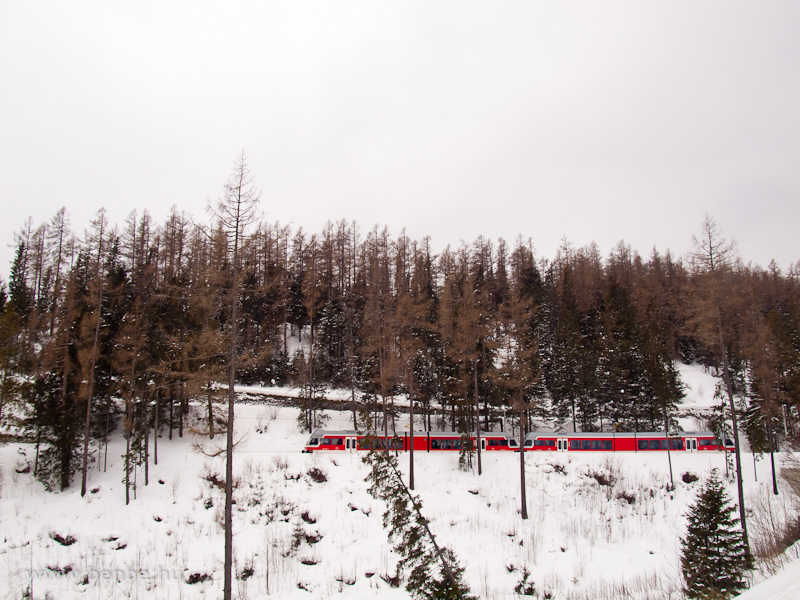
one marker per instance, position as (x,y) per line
(594,121)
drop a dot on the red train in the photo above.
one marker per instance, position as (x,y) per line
(645,441)
(424,441)
(536,441)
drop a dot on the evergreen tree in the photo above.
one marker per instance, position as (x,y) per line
(565,359)
(433,570)
(714,556)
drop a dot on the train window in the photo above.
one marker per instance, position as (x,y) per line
(456,444)
(705,442)
(574,444)
(655,444)
(530,443)
(550,443)
(729,442)
(338,441)
(492,443)
(596,445)
(642,444)
(327,441)
(505,443)
(314,442)
(435,445)
(586,445)
(676,444)
(608,445)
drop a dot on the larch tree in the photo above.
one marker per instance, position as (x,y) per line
(98,238)
(58,243)
(235,211)
(714,259)
(520,373)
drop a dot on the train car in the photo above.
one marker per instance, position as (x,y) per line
(644,441)
(424,441)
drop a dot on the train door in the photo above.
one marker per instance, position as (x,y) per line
(483,443)
(350,444)
(562,444)
(691,444)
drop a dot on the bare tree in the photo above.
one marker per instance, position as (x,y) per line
(100,225)
(713,260)
(57,237)
(235,211)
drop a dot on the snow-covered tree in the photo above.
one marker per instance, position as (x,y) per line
(714,557)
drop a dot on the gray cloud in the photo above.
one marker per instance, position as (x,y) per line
(591,120)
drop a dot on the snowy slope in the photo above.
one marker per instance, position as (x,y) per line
(784,585)
(699,387)
(297,538)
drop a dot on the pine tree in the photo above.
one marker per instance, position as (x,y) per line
(714,556)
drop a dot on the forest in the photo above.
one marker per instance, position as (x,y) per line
(127,324)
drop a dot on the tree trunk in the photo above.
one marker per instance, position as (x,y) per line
(155,429)
(210,415)
(522,433)
(171,407)
(734,421)
(383,401)
(770,438)
(127,455)
(666,437)
(477,417)
(411,432)
(105,438)
(180,412)
(147,444)
(574,424)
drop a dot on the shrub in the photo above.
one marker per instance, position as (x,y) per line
(317,474)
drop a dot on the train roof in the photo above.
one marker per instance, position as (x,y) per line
(349,432)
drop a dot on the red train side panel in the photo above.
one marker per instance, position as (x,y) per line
(350,441)
(697,441)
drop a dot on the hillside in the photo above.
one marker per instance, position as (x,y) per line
(298,538)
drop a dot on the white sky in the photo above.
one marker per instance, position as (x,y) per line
(598,121)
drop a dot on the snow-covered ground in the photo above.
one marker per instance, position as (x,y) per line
(784,585)
(699,387)
(601,525)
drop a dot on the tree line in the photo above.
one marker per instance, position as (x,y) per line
(124,325)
